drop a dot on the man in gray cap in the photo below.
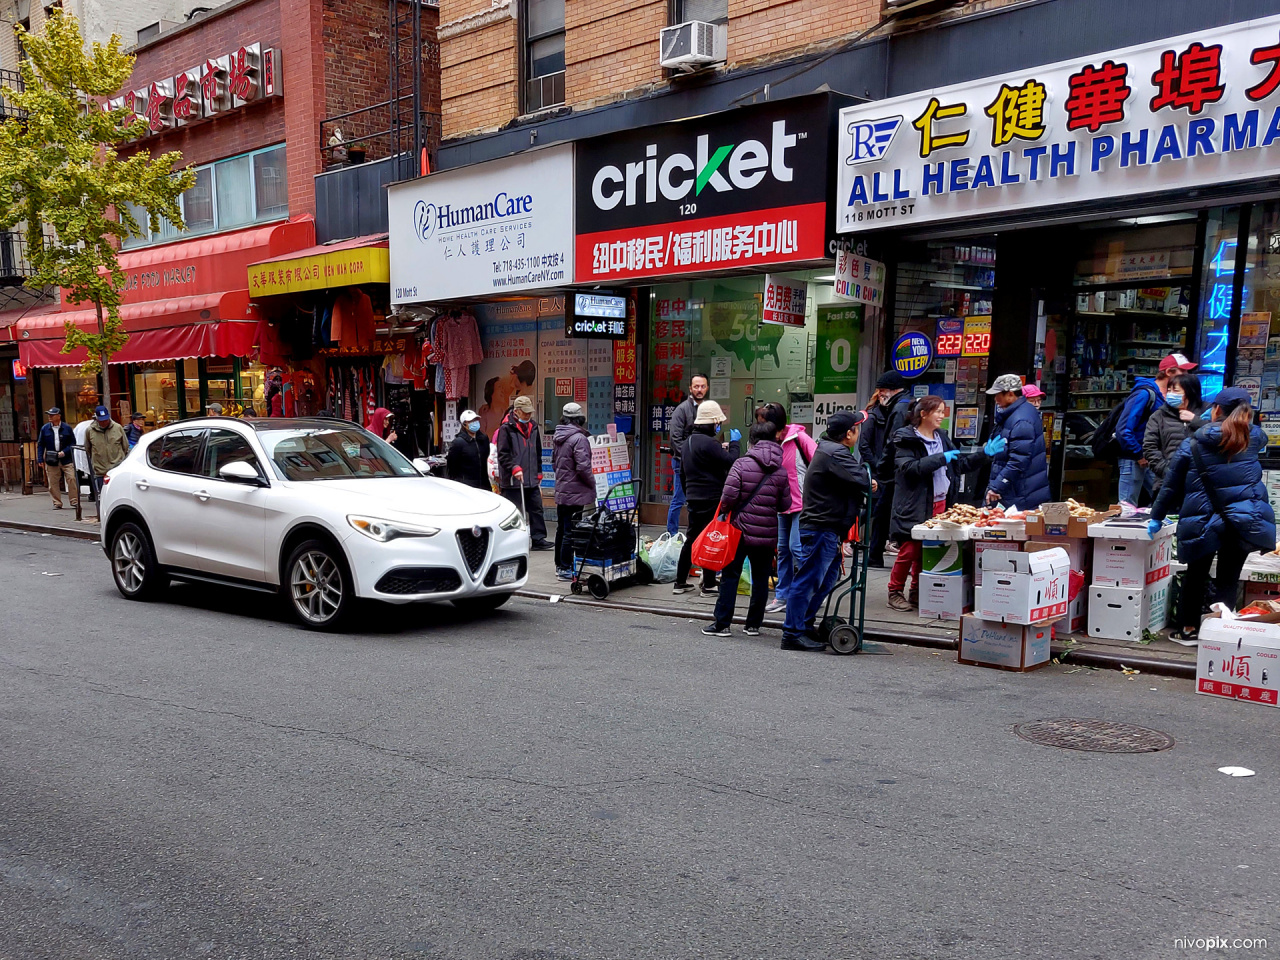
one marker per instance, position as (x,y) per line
(214,409)
(1020,474)
(54,448)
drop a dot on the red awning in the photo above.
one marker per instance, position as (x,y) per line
(213,325)
(10,318)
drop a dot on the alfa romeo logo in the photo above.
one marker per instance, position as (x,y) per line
(424,219)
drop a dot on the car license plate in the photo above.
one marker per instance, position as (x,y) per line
(507,573)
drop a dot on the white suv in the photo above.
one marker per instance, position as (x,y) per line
(320,510)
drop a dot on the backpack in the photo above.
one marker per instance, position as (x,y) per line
(1104,443)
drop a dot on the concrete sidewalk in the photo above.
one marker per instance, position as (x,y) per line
(35,513)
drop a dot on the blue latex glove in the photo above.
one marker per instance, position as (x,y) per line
(735,435)
(950,455)
(995,445)
(1153,527)
(1208,413)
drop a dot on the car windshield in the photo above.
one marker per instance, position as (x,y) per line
(333,453)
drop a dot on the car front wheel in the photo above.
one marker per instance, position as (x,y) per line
(133,564)
(317,585)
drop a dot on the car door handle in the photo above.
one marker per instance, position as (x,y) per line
(142,485)
(201,495)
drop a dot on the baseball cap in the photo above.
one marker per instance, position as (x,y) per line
(138,415)
(468,415)
(1230,396)
(215,408)
(841,422)
(1031,390)
(1177,361)
(572,410)
(101,414)
(523,404)
(1004,383)
(54,412)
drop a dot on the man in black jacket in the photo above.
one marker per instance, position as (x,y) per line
(682,418)
(520,468)
(835,487)
(705,460)
(885,419)
(54,448)
(468,456)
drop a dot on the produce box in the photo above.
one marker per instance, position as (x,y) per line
(987,643)
(948,532)
(1078,551)
(981,547)
(1067,519)
(1131,563)
(945,597)
(1123,613)
(942,557)
(1240,659)
(1024,587)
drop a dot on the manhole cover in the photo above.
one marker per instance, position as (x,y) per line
(1099,736)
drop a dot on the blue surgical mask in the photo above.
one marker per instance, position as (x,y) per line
(717,428)
(1173,399)
(473,426)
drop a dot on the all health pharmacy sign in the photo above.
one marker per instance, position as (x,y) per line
(1203,108)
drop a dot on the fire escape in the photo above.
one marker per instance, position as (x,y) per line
(14,267)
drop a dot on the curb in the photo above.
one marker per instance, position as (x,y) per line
(1064,652)
(52,531)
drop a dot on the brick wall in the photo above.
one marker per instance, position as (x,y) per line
(478,66)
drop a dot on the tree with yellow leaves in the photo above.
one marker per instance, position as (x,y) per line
(61,176)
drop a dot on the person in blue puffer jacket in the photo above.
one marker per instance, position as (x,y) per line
(1019,475)
(1214,482)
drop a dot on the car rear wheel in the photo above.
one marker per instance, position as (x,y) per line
(317,585)
(133,564)
(482,605)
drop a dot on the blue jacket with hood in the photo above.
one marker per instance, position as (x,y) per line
(1250,520)
(1020,475)
(1143,400)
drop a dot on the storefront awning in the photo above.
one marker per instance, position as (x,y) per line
(211,325)
(9,318)
(342,264)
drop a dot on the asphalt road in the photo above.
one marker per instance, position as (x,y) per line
(198,778)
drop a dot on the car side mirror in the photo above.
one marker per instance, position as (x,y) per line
(241,471)
(422,466)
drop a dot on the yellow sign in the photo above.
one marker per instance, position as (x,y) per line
(976,341)
(338,268)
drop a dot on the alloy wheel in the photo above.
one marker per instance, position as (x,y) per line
(316,586)
(129,562)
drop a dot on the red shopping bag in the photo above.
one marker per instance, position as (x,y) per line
(716,546)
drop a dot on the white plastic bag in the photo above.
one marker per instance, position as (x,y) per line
(664,557)
(493,465)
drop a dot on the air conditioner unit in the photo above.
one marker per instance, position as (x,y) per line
(691,45)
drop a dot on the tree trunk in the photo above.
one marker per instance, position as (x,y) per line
(106,375)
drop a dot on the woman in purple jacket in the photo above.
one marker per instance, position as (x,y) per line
(756,491)
(575,483)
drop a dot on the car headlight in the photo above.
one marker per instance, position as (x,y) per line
(513,522)
(384,530)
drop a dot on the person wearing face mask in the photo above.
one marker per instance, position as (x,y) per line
(469,453)
(575,482)
(520,467)
(1177,419)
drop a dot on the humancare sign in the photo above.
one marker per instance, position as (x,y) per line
(743,188)
(485,230)
(1194,110)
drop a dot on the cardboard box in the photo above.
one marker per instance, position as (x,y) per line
(1055,520)
(1131,563)
(1260,591)
(1077,609)
(1079,551)
(1024,587)
(1122,613)
(1240,659)
(945,597)
(987,643)
(942,557)
(982,546)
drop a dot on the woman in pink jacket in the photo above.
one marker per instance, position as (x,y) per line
(797,450)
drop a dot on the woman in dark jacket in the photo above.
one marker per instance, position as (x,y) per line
(756,491)
(925,484)
(468,457)
(704,462)
(1176,419)
(1214,482)
(575,483)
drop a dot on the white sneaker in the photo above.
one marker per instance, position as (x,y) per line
(775,606)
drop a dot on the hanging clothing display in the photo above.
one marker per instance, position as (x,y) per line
(456,347)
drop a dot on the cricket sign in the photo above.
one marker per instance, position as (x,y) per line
(1202,108)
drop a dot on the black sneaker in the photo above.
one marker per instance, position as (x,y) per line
(544,545)
(751,631)
(710,591)
(711,630)
(681,588)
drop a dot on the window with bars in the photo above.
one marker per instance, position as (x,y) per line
(543,54)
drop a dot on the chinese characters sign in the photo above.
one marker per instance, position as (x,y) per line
(1198,109)
(742,188)
(246,75)
(320,272)
(784,301)
(858,278)
(483,230)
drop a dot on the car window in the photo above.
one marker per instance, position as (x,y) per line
(227,446)
(181,451)
(333,453)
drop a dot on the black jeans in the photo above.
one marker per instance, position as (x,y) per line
(570,517)
(701,512)
(881,514)
(1231,557)
(761,558)
(532,500)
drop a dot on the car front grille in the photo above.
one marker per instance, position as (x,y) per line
(403,581)
(474,548)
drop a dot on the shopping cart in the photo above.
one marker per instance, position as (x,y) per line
(844,634)
(606,546)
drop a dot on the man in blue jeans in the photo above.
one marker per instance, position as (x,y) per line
(835,488)
(678,432)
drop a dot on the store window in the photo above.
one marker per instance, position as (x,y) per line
(155,393)
(1257,357)
(236,192)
